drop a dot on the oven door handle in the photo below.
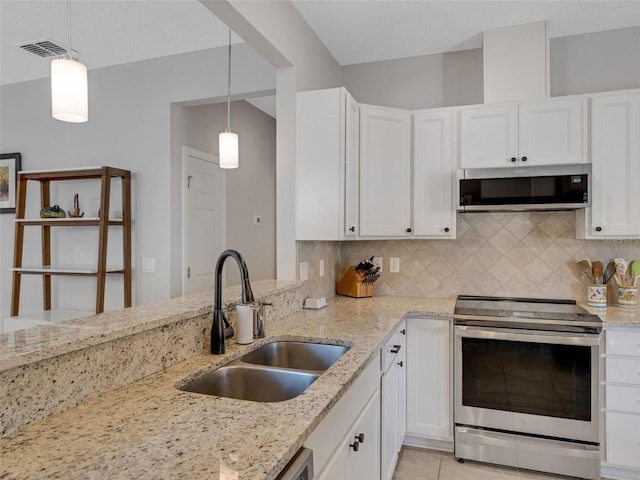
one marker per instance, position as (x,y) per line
(537,336)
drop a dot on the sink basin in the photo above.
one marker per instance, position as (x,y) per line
(258,384)
(296,355)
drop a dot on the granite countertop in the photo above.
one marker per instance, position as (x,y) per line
(615,316)
(152,429)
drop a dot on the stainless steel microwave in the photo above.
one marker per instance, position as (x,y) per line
(550,192)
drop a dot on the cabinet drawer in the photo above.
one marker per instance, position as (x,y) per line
(623,370)
(623,398)
(623,439)
(623,343)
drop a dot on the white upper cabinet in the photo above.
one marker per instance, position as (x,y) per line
(615,156)
(327,165)
(434,213)
(548,132)
(489,136)
(385,172)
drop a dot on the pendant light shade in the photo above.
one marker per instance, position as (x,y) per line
(228,141)
(69,91)
(228,149)
(69,95)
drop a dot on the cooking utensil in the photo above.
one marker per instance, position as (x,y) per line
(584,268)
(621,270)
(635,271)
(608,272)
(597,270)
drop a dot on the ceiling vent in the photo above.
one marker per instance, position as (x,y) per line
(45,47)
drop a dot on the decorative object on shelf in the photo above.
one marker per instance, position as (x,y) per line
(228,141)
(75,211)
(69,91)
(9,168)
(358,280)
(52,212)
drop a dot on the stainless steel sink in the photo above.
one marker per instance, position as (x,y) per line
(274,372)
(296,355)
(258,384)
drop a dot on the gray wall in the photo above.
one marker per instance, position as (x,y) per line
(594,62)
(129,127)
(251,189)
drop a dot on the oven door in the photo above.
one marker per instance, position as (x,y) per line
(532,382)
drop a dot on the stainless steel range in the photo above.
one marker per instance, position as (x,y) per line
(526,384)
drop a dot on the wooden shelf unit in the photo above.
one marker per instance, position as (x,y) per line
(100,271)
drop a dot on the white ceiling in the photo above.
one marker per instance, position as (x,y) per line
(367,31)
(111,32)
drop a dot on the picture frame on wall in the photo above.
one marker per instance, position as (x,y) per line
(10,165)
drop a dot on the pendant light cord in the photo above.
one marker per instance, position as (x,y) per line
(229,88)
(69,28)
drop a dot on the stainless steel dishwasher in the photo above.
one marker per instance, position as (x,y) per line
(300,467)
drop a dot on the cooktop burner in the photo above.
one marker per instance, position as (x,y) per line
(521,312)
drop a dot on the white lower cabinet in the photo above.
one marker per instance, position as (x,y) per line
(393,400)
(622,404)
(429,383)
(346,444)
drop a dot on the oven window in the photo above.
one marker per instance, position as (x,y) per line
(534,378)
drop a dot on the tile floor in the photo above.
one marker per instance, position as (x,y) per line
(420,464)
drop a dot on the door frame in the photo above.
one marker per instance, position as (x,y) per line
(211,158)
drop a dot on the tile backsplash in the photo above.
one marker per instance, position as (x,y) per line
(528,254)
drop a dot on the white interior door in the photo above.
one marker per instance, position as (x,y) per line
(204,218)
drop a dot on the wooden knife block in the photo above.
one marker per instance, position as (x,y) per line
(351,285)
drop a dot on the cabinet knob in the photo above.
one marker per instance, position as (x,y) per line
(355,446)
(446,229)
(408,230)
(401,363)
(403,331)
(514,159)
(598,229)
(352,229)
(524,159)
(360,437)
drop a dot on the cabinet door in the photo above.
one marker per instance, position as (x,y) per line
(402,384)
(385,172)
(319,165)
(489,137)
(551,132)
(429,376)
(615,155)
(352,166)
(365,463)
(339,465)
(434,213)
(623,441)
(389,431)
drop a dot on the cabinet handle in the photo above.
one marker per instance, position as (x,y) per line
(396,348)
(446,229)
(524,159)
(352,229)
(408,230)
(360,437)
(514,159)
(401,363)
(355,446)
(598,229)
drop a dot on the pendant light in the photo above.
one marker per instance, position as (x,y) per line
(228,141)
(69,91)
